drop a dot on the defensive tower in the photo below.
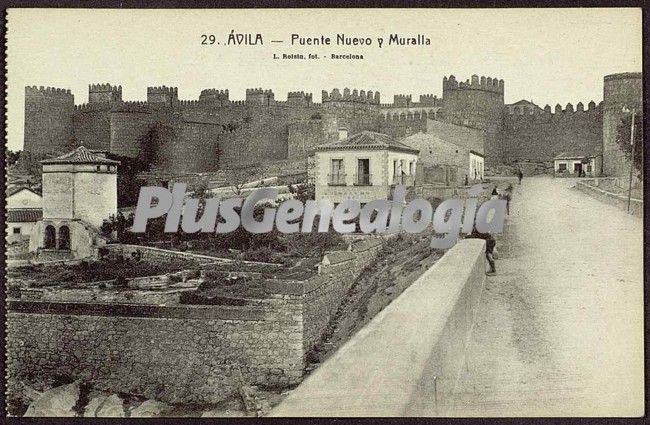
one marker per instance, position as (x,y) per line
(477,103)
(48,119)
(620,91)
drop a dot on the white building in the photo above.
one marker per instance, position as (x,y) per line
(576,165)
(79,192)
(364,166)
(24,209)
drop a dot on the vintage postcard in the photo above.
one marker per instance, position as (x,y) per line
(324,212)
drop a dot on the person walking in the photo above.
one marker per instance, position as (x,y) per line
(520,175)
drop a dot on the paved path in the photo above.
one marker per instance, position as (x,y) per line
(560,328)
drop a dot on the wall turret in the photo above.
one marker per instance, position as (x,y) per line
(299,98)
(215,97)
(104,94)
(162,96)
(48,119)
(260,97)
(402,101)
(477,103)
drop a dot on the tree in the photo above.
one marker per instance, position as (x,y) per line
(12,157)
(623,140)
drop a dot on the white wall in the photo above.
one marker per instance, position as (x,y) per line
(476,167)
(570,166)
(79,191)
(24,199)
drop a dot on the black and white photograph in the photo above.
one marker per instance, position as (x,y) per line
(328,212)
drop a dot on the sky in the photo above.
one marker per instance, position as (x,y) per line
(548,56)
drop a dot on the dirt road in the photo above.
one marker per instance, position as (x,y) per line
(560,328)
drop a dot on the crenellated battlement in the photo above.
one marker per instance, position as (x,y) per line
(215,97)
(260,96)
(402,100)
(430,100)
(163,90)
(162,95)
(259,91)
(104,93)
(354,96)
(48,91)
(299,98)
(529,110)
(409,116)
(482,83)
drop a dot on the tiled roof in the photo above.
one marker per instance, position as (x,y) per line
(15,190)
(81,155)
(24,215)
(368,140)
(575,155)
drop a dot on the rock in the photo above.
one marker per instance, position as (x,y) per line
(148,409)
(93,405)
(390,290)
(112,407)
(218,413)
(58,402)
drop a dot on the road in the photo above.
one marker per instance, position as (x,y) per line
(559,331)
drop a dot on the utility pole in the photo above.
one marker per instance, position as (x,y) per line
(629,186)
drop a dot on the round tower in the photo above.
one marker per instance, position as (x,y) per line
(48,120)
(620,91)
(477,103)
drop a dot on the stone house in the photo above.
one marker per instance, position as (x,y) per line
(364,166)
(24,209)
(79,192)
(575,165)
(450,155)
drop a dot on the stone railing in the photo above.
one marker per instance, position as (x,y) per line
(406,360)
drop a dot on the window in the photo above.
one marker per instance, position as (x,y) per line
(337,173)
(64,237)
(561,167)
(98,168)
(16,230)
(50,237)
(363,172)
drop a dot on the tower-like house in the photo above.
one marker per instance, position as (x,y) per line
(79,192)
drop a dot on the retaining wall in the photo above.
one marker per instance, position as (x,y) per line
(181,353)
(388,367)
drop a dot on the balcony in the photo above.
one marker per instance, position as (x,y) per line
(362,180)
(336,179)
(406,180)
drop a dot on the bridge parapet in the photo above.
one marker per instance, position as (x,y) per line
(388,367)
